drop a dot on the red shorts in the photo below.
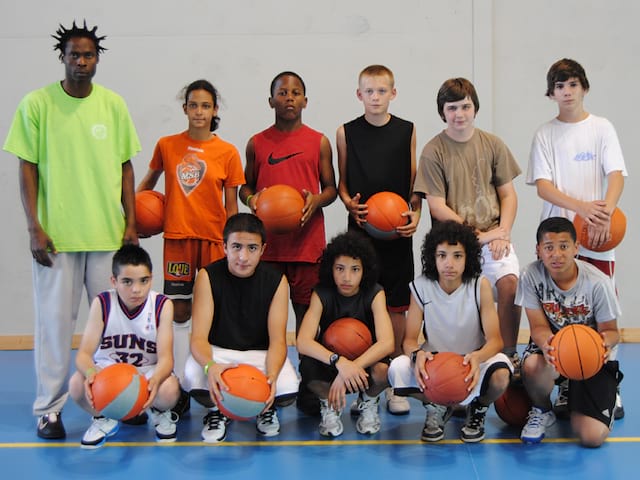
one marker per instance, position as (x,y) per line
(605,266)
(302,278)
(183,259)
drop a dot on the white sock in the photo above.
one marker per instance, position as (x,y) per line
(181,340)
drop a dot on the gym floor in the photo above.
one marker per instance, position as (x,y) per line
(300,452)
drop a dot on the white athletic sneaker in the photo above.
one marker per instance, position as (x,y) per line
(215,427)
(331,424)
(267,423)
(369,419)
(100,429)
(537,423)
(396,405)
(165,425)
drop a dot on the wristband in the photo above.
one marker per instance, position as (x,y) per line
(414,355)
(206,367)
(90,371)
(248,200)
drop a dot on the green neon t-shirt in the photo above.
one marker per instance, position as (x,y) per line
(79,145)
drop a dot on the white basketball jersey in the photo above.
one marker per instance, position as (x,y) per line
(451,321)
(129,337)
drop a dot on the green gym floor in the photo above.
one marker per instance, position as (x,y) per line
(299,452)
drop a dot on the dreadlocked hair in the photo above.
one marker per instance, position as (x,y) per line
(63,35)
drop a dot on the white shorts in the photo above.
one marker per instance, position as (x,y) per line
(195,379)
(401,374)
(494,270)
(147,370)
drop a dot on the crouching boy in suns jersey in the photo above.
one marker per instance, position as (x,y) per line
(129,324)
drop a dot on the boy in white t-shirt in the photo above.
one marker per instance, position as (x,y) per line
(577,166)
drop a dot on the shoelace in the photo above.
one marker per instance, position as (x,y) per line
(367,409)
(267,417)
(563,396)
(435,418)
(329,415)
(213,419)
(477,417)
(535,419)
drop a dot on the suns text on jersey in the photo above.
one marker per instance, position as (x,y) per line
(131,341)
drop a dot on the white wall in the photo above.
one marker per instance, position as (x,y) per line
(505,47)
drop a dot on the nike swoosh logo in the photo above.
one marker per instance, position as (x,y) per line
(274,161)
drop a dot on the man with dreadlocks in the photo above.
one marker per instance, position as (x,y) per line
(74,140)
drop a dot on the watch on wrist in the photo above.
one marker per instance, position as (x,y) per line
(333,359)
(414,355)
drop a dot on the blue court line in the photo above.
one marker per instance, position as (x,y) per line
(306,443)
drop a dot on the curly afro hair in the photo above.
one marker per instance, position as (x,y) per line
(452,232)
(354,245)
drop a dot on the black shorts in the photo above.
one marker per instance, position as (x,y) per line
(596,396)
(314,370)
(395,264)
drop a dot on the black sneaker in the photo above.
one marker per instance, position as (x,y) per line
(561,405)
(50,426)
(140,419)
(473,428)
(517,368)
(183,405)
(618,411)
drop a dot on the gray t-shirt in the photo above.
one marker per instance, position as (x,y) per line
(590,300)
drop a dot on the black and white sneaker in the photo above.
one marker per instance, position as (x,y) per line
(215,427)
(473,429)
(165,425)
(268,424)
(561,405)
(618,411)
(50,426)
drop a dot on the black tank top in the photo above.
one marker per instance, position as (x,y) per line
(335,306)
(379,158)
(241,306)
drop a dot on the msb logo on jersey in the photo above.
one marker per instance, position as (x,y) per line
(190,172)
(178,269)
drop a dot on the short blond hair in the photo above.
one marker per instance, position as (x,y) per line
(377,71)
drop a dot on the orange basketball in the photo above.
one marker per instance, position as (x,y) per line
(618,229)
(446,385)
(248,392)
(513,406)
(384,215)
(348,337)
(280,208)
(149,212)
(119,391)
(579,352)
